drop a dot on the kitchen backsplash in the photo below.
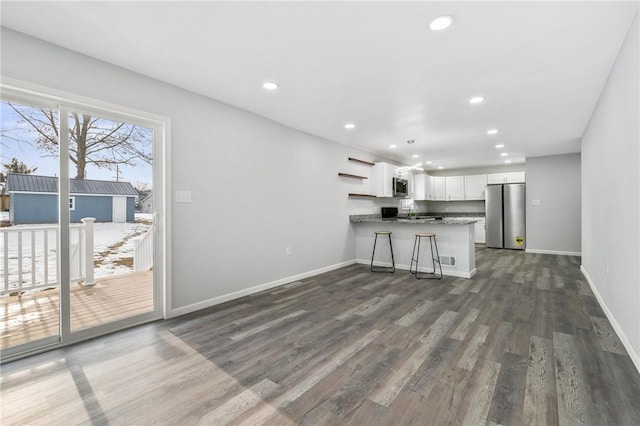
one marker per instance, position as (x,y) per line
(451,206)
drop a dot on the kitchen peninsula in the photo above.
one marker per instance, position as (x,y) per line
(455,240)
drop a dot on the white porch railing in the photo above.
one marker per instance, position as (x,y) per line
(143,252)
(30,256)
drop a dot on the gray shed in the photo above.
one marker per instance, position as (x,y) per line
(34,199)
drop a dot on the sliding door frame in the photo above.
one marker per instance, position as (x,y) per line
(19,91)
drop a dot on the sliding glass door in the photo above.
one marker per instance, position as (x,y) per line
(80,233)
(30,226)
(111,236)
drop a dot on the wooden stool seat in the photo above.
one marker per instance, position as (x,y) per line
(383,232)
(426,234)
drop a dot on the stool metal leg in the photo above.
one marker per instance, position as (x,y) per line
(435,259)
(415,258)
(393,261)
(374,251)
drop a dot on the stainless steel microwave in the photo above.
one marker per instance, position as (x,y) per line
(400,187)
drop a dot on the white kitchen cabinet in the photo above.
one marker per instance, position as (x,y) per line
(422,187)
(419,187)
(439,188)
(454,188)
(410,188)
(474,187)
(429,189)
(515,177)
(382,175)
(480,230)
(511,177)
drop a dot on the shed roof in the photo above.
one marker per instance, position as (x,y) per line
(33,183)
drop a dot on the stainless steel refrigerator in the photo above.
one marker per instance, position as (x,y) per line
(505,221)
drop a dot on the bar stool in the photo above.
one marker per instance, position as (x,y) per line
(390,269)
(415,256)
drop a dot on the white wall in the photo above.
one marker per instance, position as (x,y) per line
(554,225)
(611,196)
(257,186)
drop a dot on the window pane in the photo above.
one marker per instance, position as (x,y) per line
(29,232)
(110,239)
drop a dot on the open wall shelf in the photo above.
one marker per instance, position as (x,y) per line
(352,176)
(351,194)
(356,160)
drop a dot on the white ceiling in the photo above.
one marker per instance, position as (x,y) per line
(540,65)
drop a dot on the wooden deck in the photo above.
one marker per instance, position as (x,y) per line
(36,315)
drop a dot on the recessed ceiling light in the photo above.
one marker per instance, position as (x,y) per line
(441,22)
(393,146)
(507,161)
(270,85)
(476,100)
(415,156)
(500,145)
(428,162)
(440,167)
(503,154)
(349,126)
(492,131)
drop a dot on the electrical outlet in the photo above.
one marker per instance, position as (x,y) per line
(536,202)
(288,251)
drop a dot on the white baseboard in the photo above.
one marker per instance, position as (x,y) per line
(560,253)
(447,272)
(623,337)
(255,289)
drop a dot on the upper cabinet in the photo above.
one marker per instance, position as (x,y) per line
(382,179)
(439,188)
(419,187)
(511,177)
(422,187)
(454,188)
(474,187)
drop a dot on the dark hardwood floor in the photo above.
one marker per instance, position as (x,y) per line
(522,342)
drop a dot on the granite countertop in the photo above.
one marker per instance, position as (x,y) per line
(376,218)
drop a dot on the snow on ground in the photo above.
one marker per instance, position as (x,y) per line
(113,250)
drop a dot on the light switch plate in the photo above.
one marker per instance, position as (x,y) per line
(536,202)
(183,196)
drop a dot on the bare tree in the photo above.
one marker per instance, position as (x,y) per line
(104,143)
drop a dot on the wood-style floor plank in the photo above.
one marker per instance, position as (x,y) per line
(522,342)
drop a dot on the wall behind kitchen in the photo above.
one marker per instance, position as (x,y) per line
(257,186)
(553,225)
(454,206)
(611,196)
